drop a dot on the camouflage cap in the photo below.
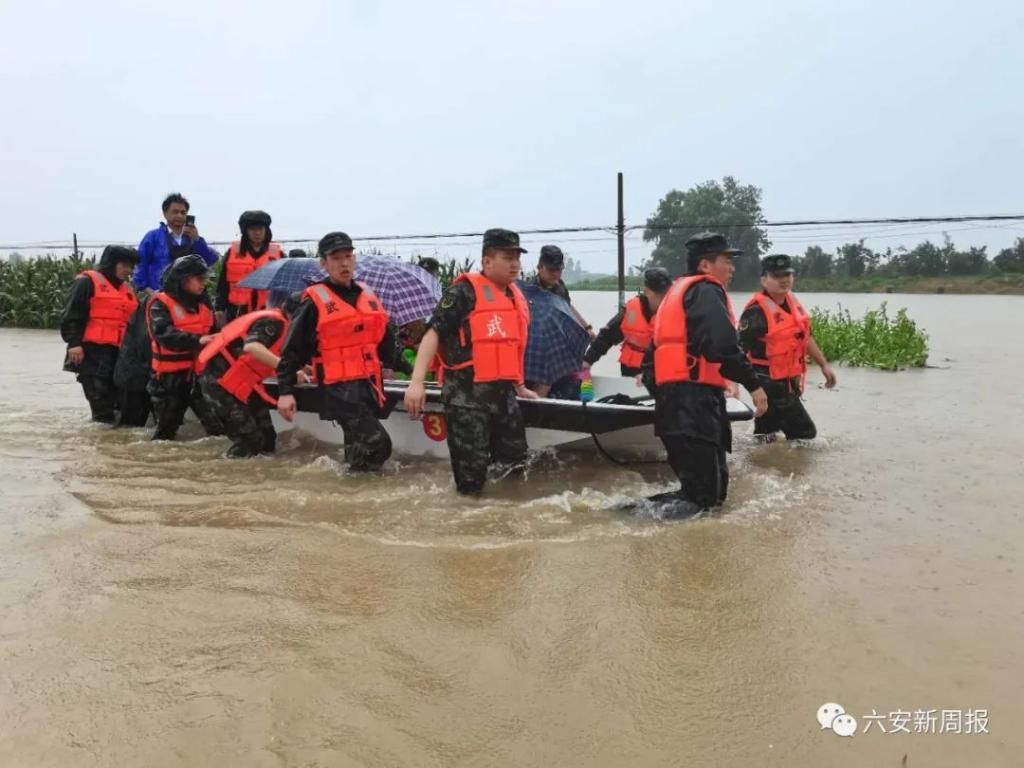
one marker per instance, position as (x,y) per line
(552,256)
(502,238)
(777,264)
(709,244)
(334,241)
(657,279)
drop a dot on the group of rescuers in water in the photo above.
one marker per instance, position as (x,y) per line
(679,336)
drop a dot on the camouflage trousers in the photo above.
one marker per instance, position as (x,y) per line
(172,395)
(247,424)
(367,443)
(478,437)
(785,412)
(102,396)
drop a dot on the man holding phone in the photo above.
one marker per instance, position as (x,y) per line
(174,238)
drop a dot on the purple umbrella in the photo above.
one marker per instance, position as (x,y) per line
(407,291)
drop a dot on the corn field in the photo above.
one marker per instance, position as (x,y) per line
(32,292)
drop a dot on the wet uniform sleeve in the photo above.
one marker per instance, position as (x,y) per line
(265,332)
(453,309)
(607,337)
(708,320)
(753,327)
(165,334)
(76,311)
(299,346)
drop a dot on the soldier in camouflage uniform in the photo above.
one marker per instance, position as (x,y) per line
(354,404)
(247,422)
(485,425)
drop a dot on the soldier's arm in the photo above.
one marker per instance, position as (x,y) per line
(299,346)
(607,337)
(161,327)
(753,327)
(76,312)
(261,338)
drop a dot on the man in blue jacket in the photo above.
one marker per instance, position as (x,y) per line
(168,242)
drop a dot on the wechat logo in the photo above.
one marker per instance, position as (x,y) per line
(833,717)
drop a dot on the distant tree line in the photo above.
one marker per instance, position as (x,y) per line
(734,209)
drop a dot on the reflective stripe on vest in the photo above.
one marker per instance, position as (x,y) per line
(237,267)
(636,334)
(348,337)
(786,339)
(197,323)
(498,327)
(110,309)
(672,358)
(245,374)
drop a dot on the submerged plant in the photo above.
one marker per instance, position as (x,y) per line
(876,340)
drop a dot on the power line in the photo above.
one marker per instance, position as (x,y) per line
(582,229)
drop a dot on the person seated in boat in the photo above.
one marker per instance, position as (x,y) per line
(253,250)
(180,322)
(177,236)
(409,337)
(98,308)
(231,370)
(775,332)
(480,328)
(631,326)
(343,329)
(549,277)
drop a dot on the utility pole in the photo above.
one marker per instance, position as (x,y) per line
(74,238)
(621,227)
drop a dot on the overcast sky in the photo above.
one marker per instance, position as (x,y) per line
(411,117)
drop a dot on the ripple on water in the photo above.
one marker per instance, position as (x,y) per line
(127,479)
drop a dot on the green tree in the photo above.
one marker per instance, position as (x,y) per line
(1011,259)
(710,206)
(855,258)
(970,262)
(815,263)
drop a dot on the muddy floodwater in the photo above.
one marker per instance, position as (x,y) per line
(163,606)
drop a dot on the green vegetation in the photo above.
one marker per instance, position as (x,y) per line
(876,340)
(32,292)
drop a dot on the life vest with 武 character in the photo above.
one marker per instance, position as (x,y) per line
(498,326)
(786,340)
(673,360)
(110,309)
(245,374)
(636,334)
(198,323)
(238,266)
(348,337)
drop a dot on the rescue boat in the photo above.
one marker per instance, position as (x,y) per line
(618,422)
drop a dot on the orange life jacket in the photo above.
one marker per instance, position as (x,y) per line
(110,309)
(197,323)
(498,327)
(636,334)
(245,373)
(672,358)
(348,337)
(237,267)
(786,340)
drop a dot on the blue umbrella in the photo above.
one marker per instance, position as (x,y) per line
(407,291)
(557,341)
(285,275)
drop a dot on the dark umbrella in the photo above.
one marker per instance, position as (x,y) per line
(285,275)
(557,341)
(407,291)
